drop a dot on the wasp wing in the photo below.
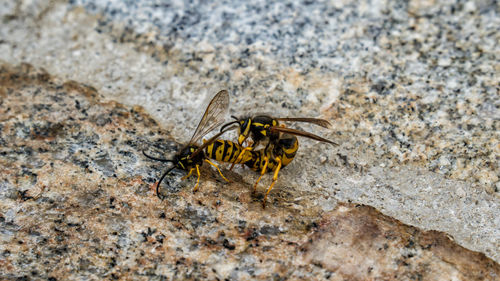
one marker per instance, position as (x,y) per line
(316,121)
(300,133)
(213,117)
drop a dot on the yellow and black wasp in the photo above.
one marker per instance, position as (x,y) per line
(192,156)
(261,127)
(280,154)
(281,147)
(264,127)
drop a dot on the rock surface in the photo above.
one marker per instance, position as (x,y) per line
(411,88)
(77,202)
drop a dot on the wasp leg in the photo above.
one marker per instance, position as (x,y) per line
(275,178)
(264,168)
(240,156)
(197,181)
(217,167)
(188,175)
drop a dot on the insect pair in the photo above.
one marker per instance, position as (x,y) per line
(279,150)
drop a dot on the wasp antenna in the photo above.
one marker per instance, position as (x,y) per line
(157,159)
(159,182)
(234,117)
(227,124)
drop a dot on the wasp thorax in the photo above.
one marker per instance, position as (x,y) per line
(261,128)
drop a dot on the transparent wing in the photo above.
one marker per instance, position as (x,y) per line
(320,122)
(300,133)
(213,117)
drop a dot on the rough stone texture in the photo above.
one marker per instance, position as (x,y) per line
(412,89)
(76,202)
(358,243)
(412,82)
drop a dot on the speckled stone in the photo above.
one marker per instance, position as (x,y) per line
(358,243)
(77,202)
(413,82)
(411,87)
(418,82)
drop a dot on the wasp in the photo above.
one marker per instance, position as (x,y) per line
(191,156)
(261,127)
(280,150)
(264,160)
(264,127)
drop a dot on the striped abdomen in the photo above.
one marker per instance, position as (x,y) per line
(226,151)
(285,149)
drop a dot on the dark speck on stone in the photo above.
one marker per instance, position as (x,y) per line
(241,225)
(105,165)
(253,234)
(101,120)
(228,245)
(327,59)
(269,230)
(380,87)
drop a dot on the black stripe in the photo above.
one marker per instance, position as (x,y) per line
(224,151)
(233,151)
(252,162)
(214,150)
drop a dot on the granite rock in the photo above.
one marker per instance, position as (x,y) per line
(411,88)
(406,82)
(77,201)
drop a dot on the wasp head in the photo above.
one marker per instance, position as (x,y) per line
(244,130)
(184,160)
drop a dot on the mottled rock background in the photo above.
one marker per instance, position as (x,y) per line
(411,88)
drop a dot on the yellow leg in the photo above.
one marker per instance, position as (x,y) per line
(240,156)
(198,180)
(188,175)
(275,177)
(266,161)
(217,167)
